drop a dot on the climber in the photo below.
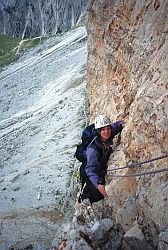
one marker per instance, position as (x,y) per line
(97,155)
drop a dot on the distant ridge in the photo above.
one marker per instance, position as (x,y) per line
(30,18)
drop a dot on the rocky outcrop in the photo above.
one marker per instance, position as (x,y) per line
(93,228)
(89,230)
(30,18)
(127,79)
(103,235)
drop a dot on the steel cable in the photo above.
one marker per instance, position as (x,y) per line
(138,174)
(140,163)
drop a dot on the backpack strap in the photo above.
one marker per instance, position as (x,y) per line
(92,141)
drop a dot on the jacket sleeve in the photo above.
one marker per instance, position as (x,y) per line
(117,127)
(93,166)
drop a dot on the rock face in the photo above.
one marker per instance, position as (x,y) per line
(28,18)
(127,79)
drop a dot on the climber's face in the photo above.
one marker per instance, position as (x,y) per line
(105,133)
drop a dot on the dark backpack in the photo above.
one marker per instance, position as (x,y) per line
(87,138)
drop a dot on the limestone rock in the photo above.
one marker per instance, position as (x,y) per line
(88,231)
(126,215)
(135,232)
(127,79)
(103,234)
(163,240)
(134,239)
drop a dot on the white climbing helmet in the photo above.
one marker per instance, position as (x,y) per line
(102,121)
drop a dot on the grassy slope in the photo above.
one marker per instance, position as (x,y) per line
(12,47)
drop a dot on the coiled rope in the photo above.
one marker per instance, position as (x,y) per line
(139,165)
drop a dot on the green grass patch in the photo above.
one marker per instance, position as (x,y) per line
(7,46)
(8,43)
(11,48)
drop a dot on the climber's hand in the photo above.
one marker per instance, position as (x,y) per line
(102,190)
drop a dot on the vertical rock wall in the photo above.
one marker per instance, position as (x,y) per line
(127,79)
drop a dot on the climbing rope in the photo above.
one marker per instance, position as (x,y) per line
(138,165)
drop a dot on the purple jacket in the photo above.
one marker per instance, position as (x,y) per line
(98,155)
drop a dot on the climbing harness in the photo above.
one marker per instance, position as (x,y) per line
(139,165)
